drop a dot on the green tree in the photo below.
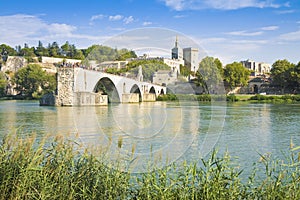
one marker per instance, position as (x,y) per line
(235,74)
(41,50)
(3,83)
(282,73)
(148,67)
(124,54)
(209,74)
(296,75)
(184,70)
(5,49)
(54,50)
(33,82)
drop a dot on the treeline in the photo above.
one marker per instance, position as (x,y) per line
(148,68)
(67,50)
(284,75)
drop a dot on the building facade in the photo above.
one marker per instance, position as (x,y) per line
(191,60)
(258,68)
(188,56)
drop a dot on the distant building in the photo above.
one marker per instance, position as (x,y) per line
(190,57)
(258,68)
(164,77)
(174,64)
(177,52)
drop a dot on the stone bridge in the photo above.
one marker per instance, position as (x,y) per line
(78,86)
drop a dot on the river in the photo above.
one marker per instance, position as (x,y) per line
(163,132)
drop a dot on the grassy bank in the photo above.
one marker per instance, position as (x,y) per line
(60,170)
(231,98)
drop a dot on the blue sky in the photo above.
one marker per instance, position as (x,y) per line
(232,30)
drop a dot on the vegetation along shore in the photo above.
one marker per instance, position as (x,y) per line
(57,168)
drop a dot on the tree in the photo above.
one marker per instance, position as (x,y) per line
(8,50)
(282,73)
(53,49)
(235,74)
(148,67)
(3,83)
(32,81)
(296,75)
(184,70)
(40,50)
(124,54)
(209,74)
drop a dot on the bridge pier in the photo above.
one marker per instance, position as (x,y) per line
(130,98)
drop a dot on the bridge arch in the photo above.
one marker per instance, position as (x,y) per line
(106,86)
(162,92)
(152,90)
(135,89)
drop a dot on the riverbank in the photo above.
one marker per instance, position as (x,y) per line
(63,170)
(232,98)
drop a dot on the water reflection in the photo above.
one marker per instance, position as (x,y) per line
(162,132)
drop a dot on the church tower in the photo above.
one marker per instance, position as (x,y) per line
(177,52)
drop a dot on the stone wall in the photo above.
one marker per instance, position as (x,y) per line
(14,63)
(130,98)
(149,97)
(89,99)
(65,87)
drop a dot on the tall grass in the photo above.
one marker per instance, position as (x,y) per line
(60,169)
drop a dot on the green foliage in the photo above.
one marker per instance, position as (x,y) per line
(231,98)
(124,54)
(148,67)
(184,70)
(56,171)
(3,83)
(33,82)
(209,74)
(283,72)
(284,98)
(6,50)
(59,169)
(67,50)
(191,97)
(235,74)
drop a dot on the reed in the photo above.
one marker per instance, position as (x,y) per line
(58,168)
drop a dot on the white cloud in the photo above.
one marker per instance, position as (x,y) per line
(19,29)
(115,17)
(128,20)
(281,12)
(96,17)
(219,4)
(237,4)
(175,4)
(179,16)
(245,33)
(147,23)
(292,36)
(269,28)
(56,28)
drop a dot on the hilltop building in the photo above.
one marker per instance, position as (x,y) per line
(177,52)
(258,68)
(179,57)
(189,56)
